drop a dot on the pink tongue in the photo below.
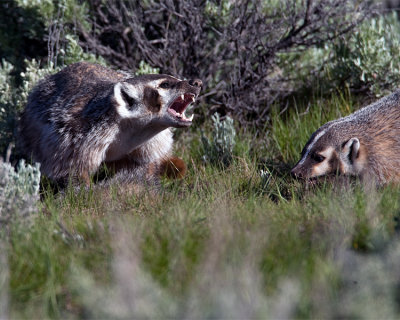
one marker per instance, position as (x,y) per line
(178,107)
(174,112)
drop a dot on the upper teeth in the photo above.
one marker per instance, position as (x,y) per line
(182,97)
(191,117)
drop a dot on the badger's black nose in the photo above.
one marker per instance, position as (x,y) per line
(196,83)
(295,173)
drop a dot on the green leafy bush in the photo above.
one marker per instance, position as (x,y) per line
(367,60)
(19,196)
(74,53)
(370,58)
(13,98)
(49,11)
(22,34)
(8,110)
(145,68)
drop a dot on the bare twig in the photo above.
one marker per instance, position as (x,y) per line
(234,51)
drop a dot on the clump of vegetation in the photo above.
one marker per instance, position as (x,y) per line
(13,98)
(8,111)
(369,59)
(145,68)
(15,88)
(22,33)
(219,149)
(364,61)
(74,53)
(19,192)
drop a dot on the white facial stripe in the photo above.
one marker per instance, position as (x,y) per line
(117,94)
(131,90)
(320,169)
(327,153)
(155,83)
(316,138)
(175,78)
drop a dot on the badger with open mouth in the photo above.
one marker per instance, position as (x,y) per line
(88,115)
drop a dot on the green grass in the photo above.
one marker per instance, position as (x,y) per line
(221,243)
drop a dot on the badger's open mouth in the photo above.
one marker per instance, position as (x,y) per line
(180,104)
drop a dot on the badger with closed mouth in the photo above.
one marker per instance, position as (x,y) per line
(365,144)
(88,115)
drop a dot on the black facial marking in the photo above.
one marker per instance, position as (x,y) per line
(317,157)
(128,99)
(196,83)
(351,152)
(165,84)
(334,164)
(152,99)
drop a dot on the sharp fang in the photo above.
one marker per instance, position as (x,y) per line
(191,117)
(193,99)
(182,97)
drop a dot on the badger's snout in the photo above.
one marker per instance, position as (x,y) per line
(196,83)
(297,172)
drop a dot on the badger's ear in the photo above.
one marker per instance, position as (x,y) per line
(126,97)
(351,150)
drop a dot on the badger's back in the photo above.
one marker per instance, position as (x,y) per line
(378,129)
(71,88)
(56,124)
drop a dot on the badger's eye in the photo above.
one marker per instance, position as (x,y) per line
(165,85)
(317,157)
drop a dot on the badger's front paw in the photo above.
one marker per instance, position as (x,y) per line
(173,168)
